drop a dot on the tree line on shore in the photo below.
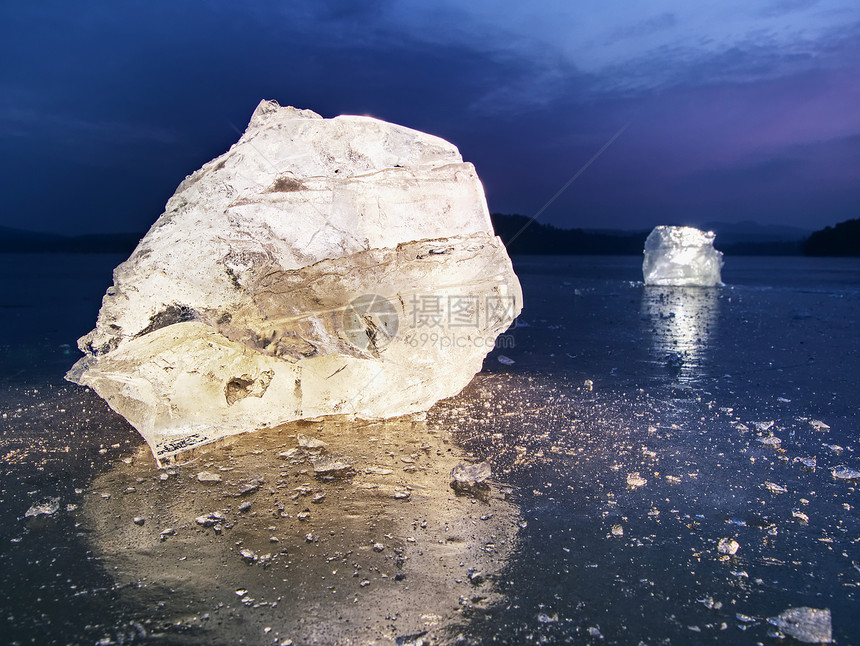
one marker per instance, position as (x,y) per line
(520,234)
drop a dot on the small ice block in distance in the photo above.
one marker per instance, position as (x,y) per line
(681,256)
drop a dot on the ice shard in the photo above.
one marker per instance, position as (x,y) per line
(681,256)
(807,625)
(319,267)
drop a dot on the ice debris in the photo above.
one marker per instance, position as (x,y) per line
(634,480)
(808,625)
(307,442)
(845,473)
(46,507)
(774,487)
(728,546)
(710,603)
(211,519)
(681,256)
(796,513)
(416,639)
(808,463)
(331,466)
(249,487)
(471,474)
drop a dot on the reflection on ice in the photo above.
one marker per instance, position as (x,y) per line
(681,321)
(321,532)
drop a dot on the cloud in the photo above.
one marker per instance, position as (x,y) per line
(779,8)
(528,93)
(638,45)
(778,173)
(23,122)
(645,27)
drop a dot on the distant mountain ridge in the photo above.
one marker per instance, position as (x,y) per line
(840,240)
(747,231)
(522,236)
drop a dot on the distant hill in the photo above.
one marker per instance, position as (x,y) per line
(734,239)
(841,240)
(21,241)
(749,232)
(522,237)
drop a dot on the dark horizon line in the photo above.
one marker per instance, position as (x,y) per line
(4,229)
(538,238)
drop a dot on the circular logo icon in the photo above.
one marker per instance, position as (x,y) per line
(370,322)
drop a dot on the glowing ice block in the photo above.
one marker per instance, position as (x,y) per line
(681,256)
(343,266)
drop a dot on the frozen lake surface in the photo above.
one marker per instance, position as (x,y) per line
(636,434)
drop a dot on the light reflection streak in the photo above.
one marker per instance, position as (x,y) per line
(682,321)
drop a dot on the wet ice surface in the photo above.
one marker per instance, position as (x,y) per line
(636,463)
(374,546)
(638,490)
(320,533)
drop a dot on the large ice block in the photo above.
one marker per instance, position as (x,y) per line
(342,266)
(681,256)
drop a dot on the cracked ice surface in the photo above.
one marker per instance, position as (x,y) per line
(296,276)
(681,256)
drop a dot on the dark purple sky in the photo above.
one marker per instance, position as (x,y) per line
(737,109)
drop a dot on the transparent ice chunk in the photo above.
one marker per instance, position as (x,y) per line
(307,442)
(331,466)
(46,507)
(728,546)
(845,473)
(808,625)
(471,474)
(681,256)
